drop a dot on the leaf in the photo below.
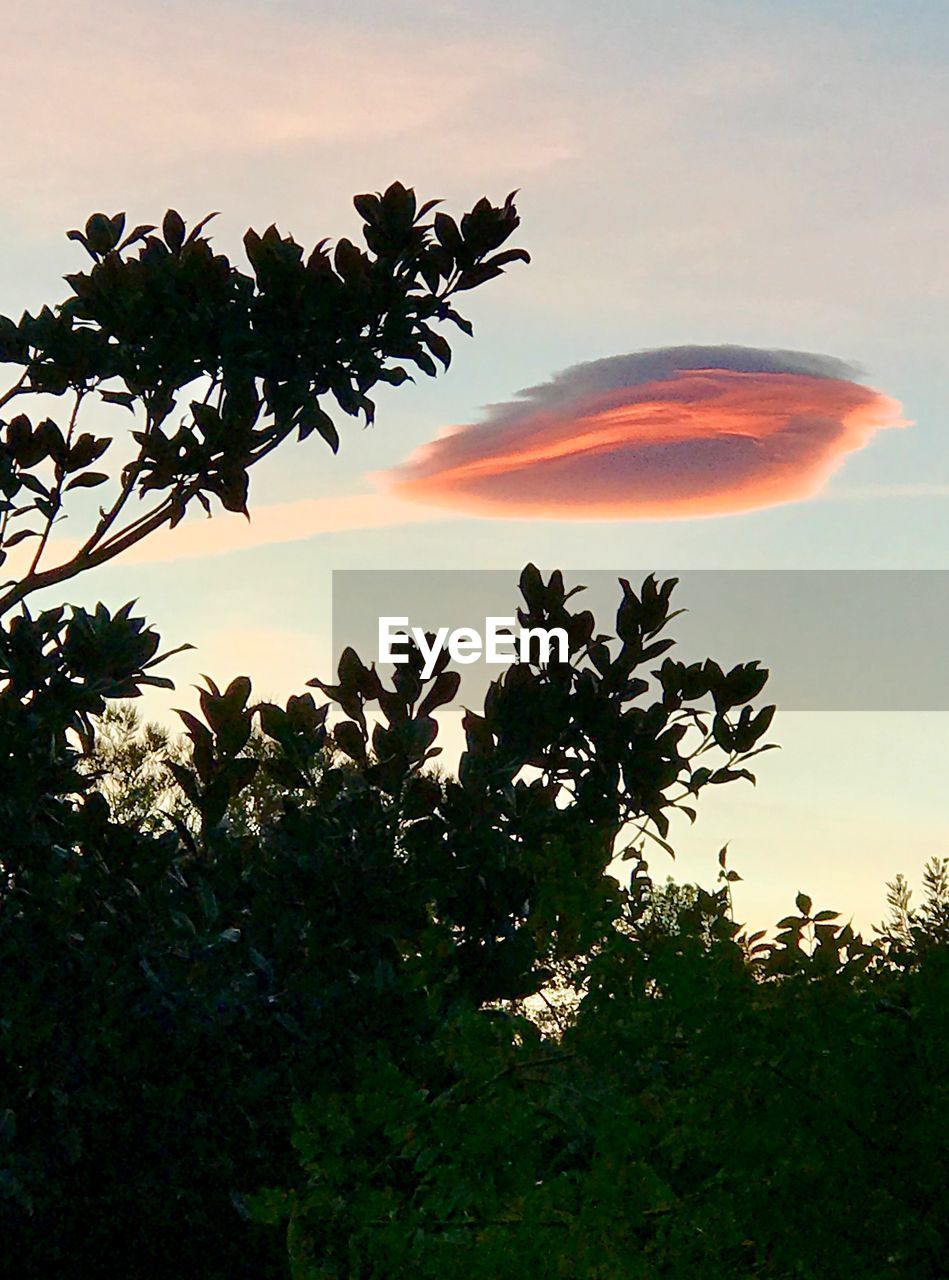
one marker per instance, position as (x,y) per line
(313,418)
(803,904)
(508,255)
(350,740)
(173,229)
(78,235)
(447,234)
(731,775)
(442,691)
(232,490)
(532,587)
(199,226)
(464,325)
(369,208)
(425,363)
(349,261)
(439,348)
(478,275)
(85,451)
(663,844)
(34,484)
(169,653)
(139,233)
(124,398)
(86,480)
(20,536)
(100,233)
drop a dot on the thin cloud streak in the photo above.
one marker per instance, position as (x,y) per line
(279,522)
(269,525)
(189,91)
(898,489)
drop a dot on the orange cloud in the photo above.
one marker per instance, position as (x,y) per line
(675,433)
(679,432)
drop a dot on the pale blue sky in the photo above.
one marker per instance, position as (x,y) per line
(771,175)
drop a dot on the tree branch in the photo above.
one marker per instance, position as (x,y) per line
(56,498)
(15,389)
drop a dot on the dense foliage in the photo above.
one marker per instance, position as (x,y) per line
(283,998)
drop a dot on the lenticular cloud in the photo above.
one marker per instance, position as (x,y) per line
(677,432)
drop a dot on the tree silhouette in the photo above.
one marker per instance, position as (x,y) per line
(284,999)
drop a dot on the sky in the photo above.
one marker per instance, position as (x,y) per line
(765,178)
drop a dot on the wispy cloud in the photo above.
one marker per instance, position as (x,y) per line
(120,98)
(883,489)
(279,522)
(269,525)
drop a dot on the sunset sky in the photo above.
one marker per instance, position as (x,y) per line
(768,179)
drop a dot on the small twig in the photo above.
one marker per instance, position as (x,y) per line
(110,516)
(84,561)
(56,498)
(15,389)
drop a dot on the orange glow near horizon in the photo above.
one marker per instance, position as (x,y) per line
(699,443)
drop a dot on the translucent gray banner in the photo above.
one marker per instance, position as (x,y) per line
(847,640)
